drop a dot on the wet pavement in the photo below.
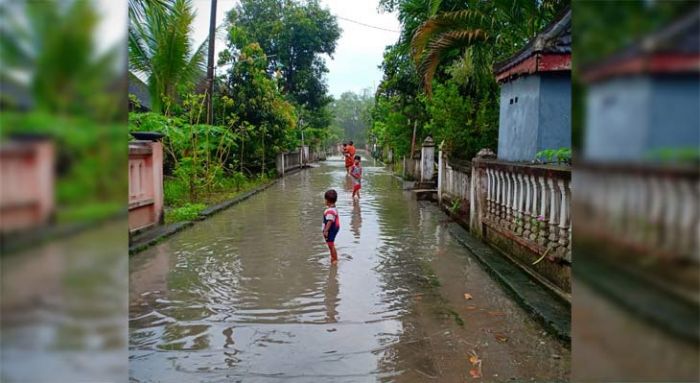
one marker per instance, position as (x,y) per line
(63,308)
(249,295)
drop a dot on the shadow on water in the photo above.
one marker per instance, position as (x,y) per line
(250,295)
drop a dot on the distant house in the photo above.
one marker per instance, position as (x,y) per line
(647,97)
(139,89)
(535,105)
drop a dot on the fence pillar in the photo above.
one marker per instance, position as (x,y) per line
(26,183)
(477,193)
(280,163)
(427,159)
(145,184)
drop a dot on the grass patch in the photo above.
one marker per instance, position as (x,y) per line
(88,212)
(180,208)
(186,212)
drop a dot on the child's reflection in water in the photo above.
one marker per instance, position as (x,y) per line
(356,219)
(331,299)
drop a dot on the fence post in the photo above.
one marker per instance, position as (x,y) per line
(280,163)
(158,191)
(427,160)
(477,194)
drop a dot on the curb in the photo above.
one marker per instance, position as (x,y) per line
(549,310)
(657,307)
(159,233)
(12,243)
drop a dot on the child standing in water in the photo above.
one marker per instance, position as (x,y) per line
(356,174)
(331,223)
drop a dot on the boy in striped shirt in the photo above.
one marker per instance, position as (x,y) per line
(331,223)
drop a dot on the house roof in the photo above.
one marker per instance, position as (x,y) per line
(673,49)
(139,89)
(549,51)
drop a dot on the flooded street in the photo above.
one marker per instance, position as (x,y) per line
(249,295)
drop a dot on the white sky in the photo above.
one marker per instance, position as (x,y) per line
(358,52)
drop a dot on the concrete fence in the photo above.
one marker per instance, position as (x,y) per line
(525,211)
(646,209)
(454,183)
(145,184)
(288,161)
(300,158)
(522,209)
(26,184)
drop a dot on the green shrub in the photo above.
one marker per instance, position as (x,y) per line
(560,156)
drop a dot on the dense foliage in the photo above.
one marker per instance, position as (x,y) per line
(270,92)
(438,76)
(161,50)
(55,84)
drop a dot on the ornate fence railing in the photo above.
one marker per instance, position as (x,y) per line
(646,208)
(531,203)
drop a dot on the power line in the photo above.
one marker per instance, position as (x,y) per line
(366,25)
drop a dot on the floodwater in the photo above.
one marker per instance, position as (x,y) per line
(63,309)
(249,295)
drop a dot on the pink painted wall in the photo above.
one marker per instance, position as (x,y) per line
(145,184)
(26,184)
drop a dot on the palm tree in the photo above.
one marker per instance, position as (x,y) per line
(48,52)
(160,48)
(484,31)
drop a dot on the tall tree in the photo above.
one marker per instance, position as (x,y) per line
(160,49)
(295,35)
(498,27)
(256,109)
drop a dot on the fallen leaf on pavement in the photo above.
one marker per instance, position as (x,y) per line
(501,338)
(467,296)
(474,359)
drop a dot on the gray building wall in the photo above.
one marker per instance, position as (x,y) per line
(535,114)
(627,118)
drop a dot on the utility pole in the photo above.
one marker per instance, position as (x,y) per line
(210,64)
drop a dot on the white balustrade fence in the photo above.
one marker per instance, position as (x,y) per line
(454,181)
(531,202)
(644,208)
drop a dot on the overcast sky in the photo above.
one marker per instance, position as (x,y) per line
(359,50)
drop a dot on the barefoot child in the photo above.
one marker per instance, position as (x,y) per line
(331,223)
(356,173)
